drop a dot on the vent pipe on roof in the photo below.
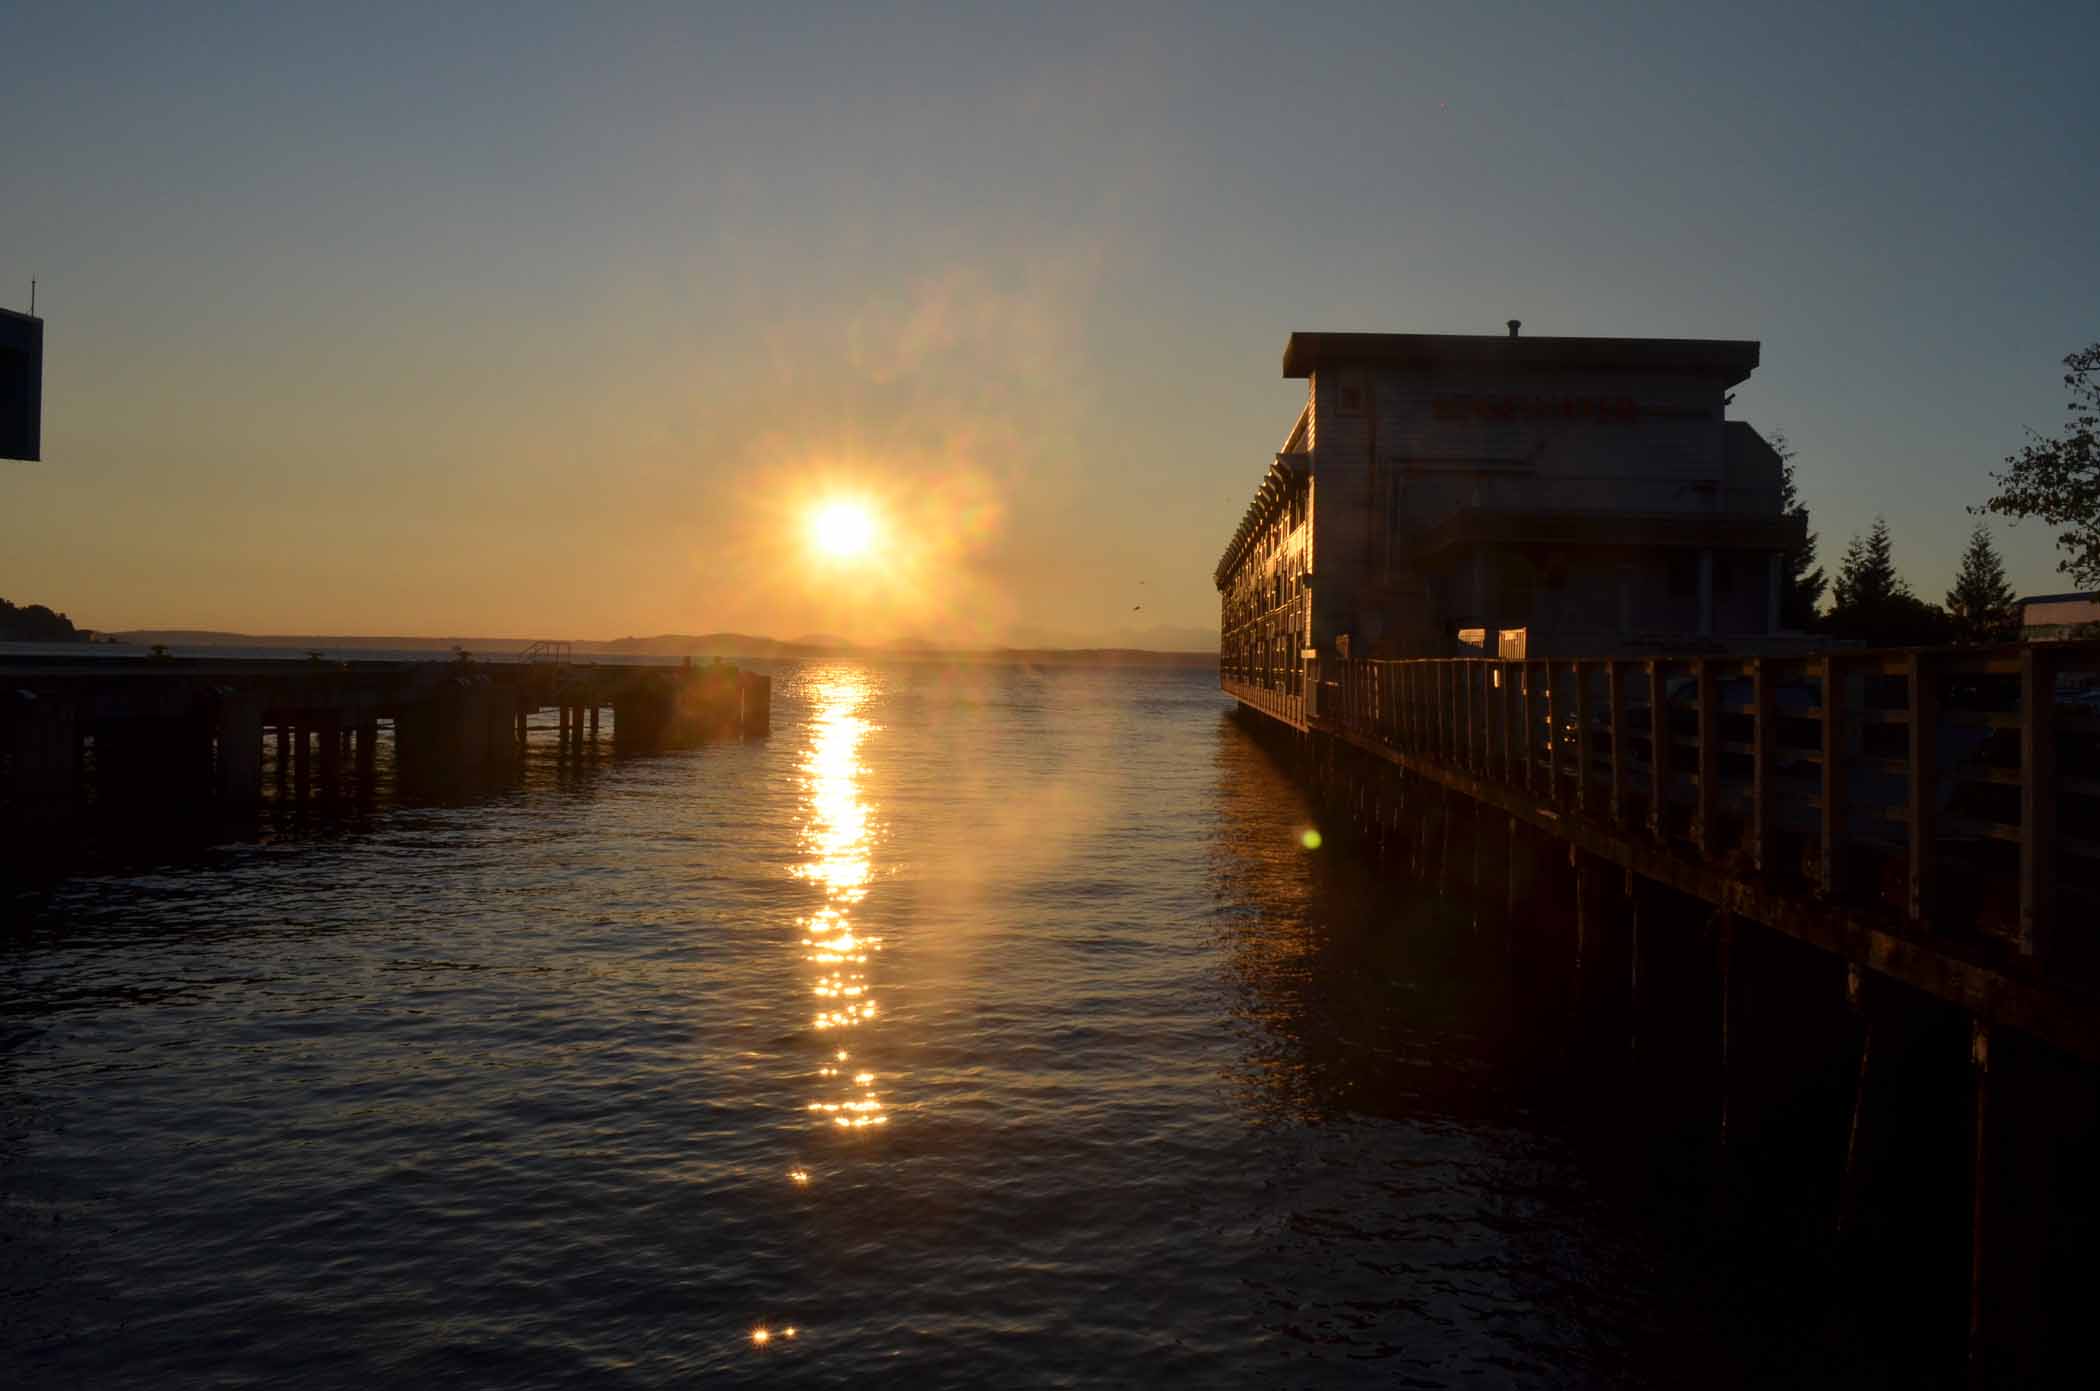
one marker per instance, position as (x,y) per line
(1514,325)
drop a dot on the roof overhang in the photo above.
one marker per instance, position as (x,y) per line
(1285,471)
(1722,361)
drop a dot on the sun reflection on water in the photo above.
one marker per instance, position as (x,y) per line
(838,837)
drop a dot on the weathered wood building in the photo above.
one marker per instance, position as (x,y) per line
(1438,490)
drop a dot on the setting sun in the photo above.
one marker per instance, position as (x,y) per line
(842,530)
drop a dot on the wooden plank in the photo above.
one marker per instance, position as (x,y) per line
(1615,692)
(1832,801)
(2037,801)
(1924,783)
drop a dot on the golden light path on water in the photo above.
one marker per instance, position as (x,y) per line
(838,837)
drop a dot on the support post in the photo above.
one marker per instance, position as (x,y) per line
(1761,789)
(1979,1171)
(1552,737)
(1658,752)
(1833,791)
(331,733)
(1850,1182)
(1615,692)
(239,736)
(2037,801)
(1582,735)
(1724,949)
(1709,758)
(1924,785)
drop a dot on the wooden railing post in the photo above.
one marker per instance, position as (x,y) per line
(1761,789)
(1658,752)
(1924,784)
(1530,731)
(1615,692)
(1467,673)
(1582,736)
(2037,800)
(1709,758)
(1833,790)
(1552,738)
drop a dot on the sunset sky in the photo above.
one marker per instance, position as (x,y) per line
(561,322)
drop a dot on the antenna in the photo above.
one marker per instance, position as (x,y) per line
(32,297)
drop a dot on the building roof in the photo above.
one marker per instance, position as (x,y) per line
(1725,360)
(2087,597)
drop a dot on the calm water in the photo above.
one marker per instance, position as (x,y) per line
(988,1027)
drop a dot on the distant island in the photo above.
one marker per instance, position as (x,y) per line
(35,623)
(743,645)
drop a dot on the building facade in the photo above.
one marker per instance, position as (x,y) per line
(1444,494)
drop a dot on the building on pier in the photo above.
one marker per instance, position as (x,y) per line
(1447,493)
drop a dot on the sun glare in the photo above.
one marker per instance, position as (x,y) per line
(842,530)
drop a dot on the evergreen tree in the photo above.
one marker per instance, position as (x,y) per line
(1867,577)
(1801,582)
(1872,603)
(1981,602)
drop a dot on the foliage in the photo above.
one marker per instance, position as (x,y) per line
(35,623)
(2058,480)
(1871,602)
(1801,581)
(1981,604)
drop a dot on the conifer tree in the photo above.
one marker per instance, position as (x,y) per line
(1867,577)
(1801,580)
(1981,602)
(1872,603)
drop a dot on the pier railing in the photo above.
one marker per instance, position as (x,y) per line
(1278,703)
(1958,787)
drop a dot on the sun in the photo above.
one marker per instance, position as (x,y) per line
(842,530)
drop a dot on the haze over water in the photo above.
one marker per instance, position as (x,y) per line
(981,1026)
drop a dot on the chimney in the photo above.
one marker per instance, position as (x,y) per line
(1514,325)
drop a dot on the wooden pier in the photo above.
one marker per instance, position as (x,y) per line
(151,734)
(1925,824)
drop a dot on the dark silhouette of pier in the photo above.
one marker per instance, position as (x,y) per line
(158,734)
(1878,867)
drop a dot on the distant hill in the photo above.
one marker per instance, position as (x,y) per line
(745,645)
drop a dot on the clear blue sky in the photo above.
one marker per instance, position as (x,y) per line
(541,320)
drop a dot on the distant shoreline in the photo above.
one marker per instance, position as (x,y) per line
(726,645)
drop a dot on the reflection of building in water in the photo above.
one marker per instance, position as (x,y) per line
(1437,489)
(839,838)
